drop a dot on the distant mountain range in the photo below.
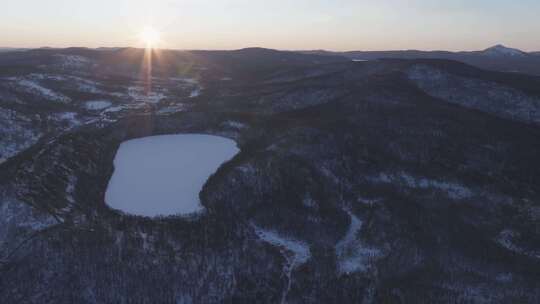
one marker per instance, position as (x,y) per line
(8,49)
(498,58)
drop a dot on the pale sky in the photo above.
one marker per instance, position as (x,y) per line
(280,24)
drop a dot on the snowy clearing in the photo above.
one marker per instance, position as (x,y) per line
(39,90)
(354,256)
(195,93)
(163,175)
(16,133)
(115,109)
(507,239)
(172,109)
(452,190)
(17,219)
(72,61)
(300,250)
(97,105)
(138,94)
(69,118)
(234,125)
(294,251)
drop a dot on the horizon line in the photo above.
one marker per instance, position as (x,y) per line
(259,47)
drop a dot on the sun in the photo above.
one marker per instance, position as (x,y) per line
(150,37)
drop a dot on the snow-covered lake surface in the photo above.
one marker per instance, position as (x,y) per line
(163,175)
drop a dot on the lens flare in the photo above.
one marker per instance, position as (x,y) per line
(150,37)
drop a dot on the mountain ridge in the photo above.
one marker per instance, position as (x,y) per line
(497,58)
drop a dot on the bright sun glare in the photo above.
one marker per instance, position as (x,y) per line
(150,36)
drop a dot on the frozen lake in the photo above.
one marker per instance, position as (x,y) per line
(163,175)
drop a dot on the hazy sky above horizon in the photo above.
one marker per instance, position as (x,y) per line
(281,24)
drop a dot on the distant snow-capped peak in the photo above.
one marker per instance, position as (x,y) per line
(501,50)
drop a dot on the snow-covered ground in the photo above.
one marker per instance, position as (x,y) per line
(86,85)
(115,109)
(296,253)
(70,81)
(138,94)
(163,175)
(35,88)
(172,109)
(19,221)
(501,50)
(452,190)
(95,105)
(187,83)
(195,93)
(507,239)
(487,96)
(300,250)
(353,255)
(17,133)
(72,61)
(234,125)
(67,118)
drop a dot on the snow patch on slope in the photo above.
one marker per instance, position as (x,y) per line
(172,109)
(234,125)
(506,239)
(18,222)
(354,256)
(35,88)
(486,96)
(452,190)
(114,109)
(195,93)
(16,133)
(186,80)
(72,61)
(296,252)
(95,105)
(69,118)
(138,94)
(86,85)
(501,50)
